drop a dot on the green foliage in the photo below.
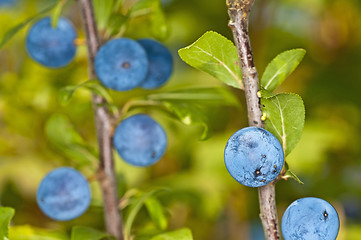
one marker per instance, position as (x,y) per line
(12,31)
(152,16)
(187,105)
(82,233)
(6,214)
(56,13)
(26,232)
(181,234)
(156,212)
(103,10)
(62,134)
(285,115)
(66,93)
(215,55)
(280,68)
(134,208)
(144,18)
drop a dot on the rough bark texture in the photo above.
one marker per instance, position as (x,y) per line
(238,11)
(103,127)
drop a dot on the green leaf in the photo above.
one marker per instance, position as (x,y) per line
(6,214)
(285,116)
(67,92)
(152,14)
(189,115)
(290,174)
(266,94)
(181,234)
(187,105)
(117,24)
(62,134)
(215,55)
(26,232)
(280,68)
(134,209)
(82,233)
(56,13)
(103,10)
(156,213)
(12,31)
(204,96)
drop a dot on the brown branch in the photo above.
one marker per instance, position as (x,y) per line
(238,11)
(103,125)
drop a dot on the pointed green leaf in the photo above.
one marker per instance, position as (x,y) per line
(187,105)
(62,134)
(103,10)
(203,96)
(117,24)
(215,55)
(181,234)
(156,212)
(134,209)
(280,68)
(290,174)
(67,92)
(152,17)
(56,13)
(189,115)
(12,31)
(82,233)
(285,116)
(6,214)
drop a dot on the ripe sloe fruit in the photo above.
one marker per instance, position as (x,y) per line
(63,194)
(160,63)
(51,47)
(253,156)
(140,140)
(121,64)
(310,219)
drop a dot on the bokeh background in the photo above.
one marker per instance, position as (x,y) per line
(202,195)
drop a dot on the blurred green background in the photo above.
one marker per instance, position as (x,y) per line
(202,195)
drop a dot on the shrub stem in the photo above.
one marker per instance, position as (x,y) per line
(103,125)
(238,11)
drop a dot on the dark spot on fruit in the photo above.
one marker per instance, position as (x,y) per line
(255,122)
(252,144)
(126,65)
(325,215)
(257,172)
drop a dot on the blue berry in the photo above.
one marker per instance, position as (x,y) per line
(160,63)
(253,156)
(310,219)
(140,140)
(121,64)
(63,194)
(51,47)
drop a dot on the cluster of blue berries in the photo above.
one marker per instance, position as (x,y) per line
(121,64)
(254,157)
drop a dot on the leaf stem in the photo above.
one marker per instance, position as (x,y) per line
(238,11)
(104,129)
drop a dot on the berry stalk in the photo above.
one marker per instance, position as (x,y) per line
(238,11)
(103,124)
